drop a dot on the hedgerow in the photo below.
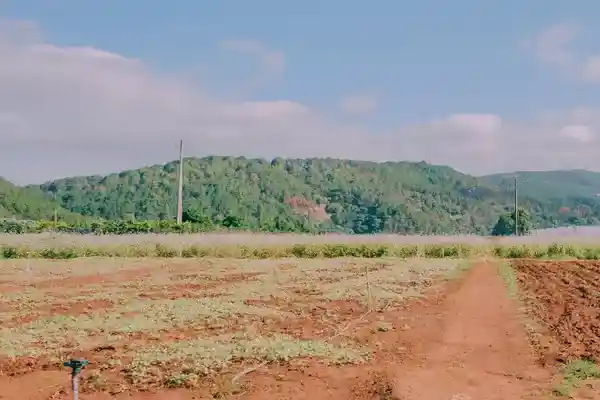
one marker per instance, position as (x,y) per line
(551,251)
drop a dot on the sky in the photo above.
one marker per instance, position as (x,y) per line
(89,87)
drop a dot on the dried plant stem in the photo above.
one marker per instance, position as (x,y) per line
(369,295)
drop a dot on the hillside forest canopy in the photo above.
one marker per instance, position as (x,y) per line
(310,195)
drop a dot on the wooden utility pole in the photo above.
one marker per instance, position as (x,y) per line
(55,211)
(516,208)
(180,185)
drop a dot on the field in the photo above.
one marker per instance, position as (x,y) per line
(464,323)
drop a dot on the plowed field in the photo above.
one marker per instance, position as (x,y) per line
(347,329)
(563,300)
(564,297)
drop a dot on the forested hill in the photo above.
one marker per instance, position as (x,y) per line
(30,203)
(551,184)
(575,192)
(283,194)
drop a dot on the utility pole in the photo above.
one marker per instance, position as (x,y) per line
(180,185)
(516,208)
(55,211)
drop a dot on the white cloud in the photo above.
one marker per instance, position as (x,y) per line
(591,69)
(359,104)
(74,110)
(273,61)
(479,124)
(578,132)
(552,47)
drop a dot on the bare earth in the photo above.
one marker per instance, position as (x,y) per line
(474,346)
(427,337)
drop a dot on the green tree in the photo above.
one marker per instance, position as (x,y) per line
(196,216)
(233,222)
(506,224)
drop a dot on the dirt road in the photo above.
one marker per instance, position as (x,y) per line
(472,346)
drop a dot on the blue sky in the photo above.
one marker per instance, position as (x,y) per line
(397,71)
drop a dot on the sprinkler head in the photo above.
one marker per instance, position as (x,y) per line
(76,365)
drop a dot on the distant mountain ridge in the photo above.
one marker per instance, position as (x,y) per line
(332,195)
(560,184)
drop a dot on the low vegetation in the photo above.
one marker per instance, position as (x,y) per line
(576,373)
(67,247)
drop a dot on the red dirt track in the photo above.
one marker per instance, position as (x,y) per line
(465,340)
(473,346)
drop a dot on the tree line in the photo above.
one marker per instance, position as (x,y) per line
(195,222)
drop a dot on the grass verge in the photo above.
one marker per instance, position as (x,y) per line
(509,277)
(574,374)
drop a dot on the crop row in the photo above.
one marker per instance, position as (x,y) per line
(551,251)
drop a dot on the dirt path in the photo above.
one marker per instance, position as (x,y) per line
(472,347)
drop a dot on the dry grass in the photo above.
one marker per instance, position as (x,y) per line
(175,322)
(186,361)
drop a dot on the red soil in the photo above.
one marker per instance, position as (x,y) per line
(196,290)
(475,347)
(70,308)
(308,208)
(85,280)
(564,297)
(464,340)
